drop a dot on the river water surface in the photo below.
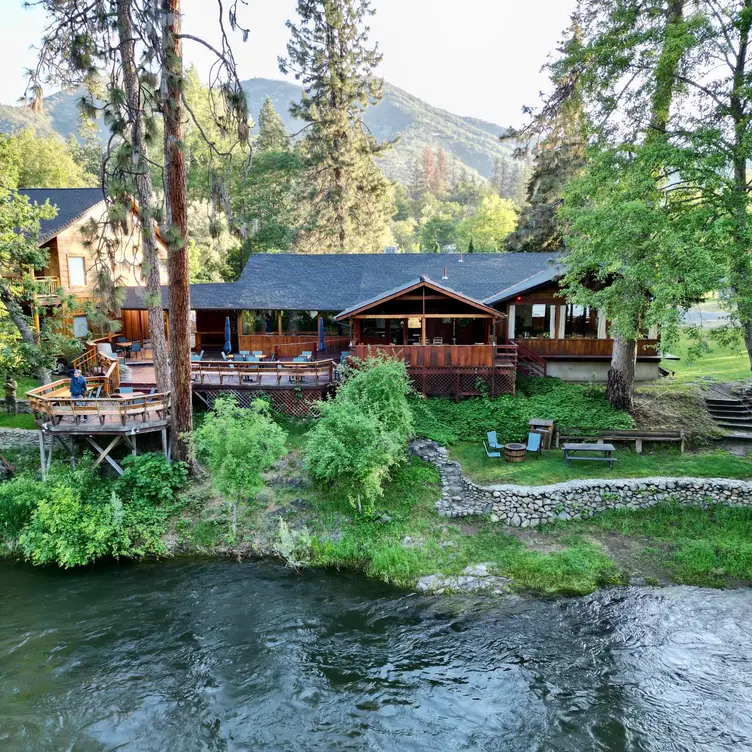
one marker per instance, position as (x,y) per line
(224,656)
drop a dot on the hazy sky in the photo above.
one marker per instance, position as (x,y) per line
(473,57)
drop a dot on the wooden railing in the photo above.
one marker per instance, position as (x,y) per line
(249,373)
(92,359)
(584,348)
(439,356)
(530,361)
(47,286)
(52,403)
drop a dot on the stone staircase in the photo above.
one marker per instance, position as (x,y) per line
(733,415)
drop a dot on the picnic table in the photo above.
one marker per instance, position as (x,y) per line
(572,453)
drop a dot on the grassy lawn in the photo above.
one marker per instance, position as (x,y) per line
(719,362)
(551,467)
(22,420)
(707,547)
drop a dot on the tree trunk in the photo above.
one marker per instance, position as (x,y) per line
(177,231)
(144,190)
(621,375)
(27,333)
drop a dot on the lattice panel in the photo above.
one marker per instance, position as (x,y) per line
(296,403)
(462,382)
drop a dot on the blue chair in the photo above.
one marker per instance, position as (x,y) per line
(224,355)
(136,350)
(153,390)
(492,441)
(534,443)
(491,455)
(198,358)
(244,352)
(121,339)
(258,353)
(343,355)
(306,355)
(126,390)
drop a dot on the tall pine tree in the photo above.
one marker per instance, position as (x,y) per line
(347,201)
(272,134)
(559,153)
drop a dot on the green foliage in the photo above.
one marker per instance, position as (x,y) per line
(77,517)
(18,498)
(568,404)
(237,445)
(363,431)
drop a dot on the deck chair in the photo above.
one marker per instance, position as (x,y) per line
(306,355)
(534,443)
(153,390)
(126,390)
(491,455)
(257,353)
(136,350)
(223,354)
(438,340)
(492,441)
(244,352)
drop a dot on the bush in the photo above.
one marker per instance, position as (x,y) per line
(18,498)
(568,404)
(363,431)
(150,478)
(237,445)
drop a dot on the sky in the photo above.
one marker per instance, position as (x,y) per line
(478,58)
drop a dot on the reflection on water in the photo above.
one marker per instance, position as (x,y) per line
(221,656)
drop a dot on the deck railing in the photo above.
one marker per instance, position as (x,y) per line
(53,403)
(47,286)
(243,373)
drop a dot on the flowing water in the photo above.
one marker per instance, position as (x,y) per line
(226,656)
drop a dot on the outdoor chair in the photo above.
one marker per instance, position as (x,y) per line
(491,455)
(534,443)
(198,358)
(344,355)
(257,353)
(120,339)
(492,440)
(438,340)
(153,390)
(224,355)
(136,350)
(306,355)
(126,390)
(244,353)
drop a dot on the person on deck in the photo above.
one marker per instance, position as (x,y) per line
(78,388)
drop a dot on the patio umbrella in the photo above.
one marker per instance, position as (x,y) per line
(228,345)
(321,334)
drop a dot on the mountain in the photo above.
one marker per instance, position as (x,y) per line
(472,144)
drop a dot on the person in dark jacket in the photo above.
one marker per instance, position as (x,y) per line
(79,388)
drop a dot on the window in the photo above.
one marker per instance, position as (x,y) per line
(533,321)
(581,321)
(80,326)
(76,271)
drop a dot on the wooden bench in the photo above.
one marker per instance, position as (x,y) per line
(606,450)
(616,435)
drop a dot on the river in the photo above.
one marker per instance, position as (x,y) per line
(227,656)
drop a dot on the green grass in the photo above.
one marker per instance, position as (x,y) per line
(551,467)
(22,420)
(708,547)
(721,362)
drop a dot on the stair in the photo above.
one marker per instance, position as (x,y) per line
(731,414)
(529,362)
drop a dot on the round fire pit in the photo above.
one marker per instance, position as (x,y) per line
(514,452)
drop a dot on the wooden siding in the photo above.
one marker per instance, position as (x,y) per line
(584,348)
(439,356)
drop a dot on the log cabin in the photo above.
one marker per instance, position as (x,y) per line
(451,317)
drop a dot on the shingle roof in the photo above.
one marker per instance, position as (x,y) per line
(71,203)
(336,282)
(547,275)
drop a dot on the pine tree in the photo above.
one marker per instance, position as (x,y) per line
(272,134)
(558,156)
(471,246)
(437,247)
(442,173)
(348,201)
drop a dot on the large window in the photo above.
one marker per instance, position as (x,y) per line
(80,326)
(581,321)
(77,271)
(533,321)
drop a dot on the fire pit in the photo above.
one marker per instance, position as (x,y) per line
(514,452)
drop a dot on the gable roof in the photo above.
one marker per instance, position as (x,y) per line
(72,204)
(541,278)
(337,282)
(413,285)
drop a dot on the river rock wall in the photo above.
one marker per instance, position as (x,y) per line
(529,506)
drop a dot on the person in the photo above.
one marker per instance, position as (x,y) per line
(78,388)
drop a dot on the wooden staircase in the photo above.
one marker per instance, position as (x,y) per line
(731,414)
(529,362)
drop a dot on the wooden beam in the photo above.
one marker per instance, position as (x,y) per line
(427,315)
(104,454)
(422,330)
(279,323)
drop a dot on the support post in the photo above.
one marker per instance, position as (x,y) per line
(279,323)
(405,332)
(422,330)
(41,454)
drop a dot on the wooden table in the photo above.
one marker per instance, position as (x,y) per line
(126,346)
(606,451)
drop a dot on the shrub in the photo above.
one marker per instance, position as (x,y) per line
(363,432)
(570,405)
(237,445)
(151,478)
(18,498)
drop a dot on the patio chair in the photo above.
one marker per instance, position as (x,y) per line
(257,353)
(244,352)
(120,339)
(223,354)
(306,355)
(344,355)
(492,440)
(126,390)
(491,455)
(136,350)
(438,340)
(198,358)
(153,390)
(534,443)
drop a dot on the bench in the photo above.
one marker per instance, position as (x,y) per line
(615,435)
(606,450)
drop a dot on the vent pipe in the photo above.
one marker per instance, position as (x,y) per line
(445,274)
(461,259)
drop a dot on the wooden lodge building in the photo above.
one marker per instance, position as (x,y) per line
(449,316)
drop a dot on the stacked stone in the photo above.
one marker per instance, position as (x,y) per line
(529,506)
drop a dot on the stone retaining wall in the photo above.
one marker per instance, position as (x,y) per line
(529,506)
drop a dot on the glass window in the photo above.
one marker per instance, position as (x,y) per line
(80,326)
(77,271)
(581,321)
(532,321)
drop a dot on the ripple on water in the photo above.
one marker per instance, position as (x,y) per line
(224,656)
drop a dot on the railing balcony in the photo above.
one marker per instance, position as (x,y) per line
(47,286)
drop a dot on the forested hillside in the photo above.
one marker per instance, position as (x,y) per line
(472,145)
